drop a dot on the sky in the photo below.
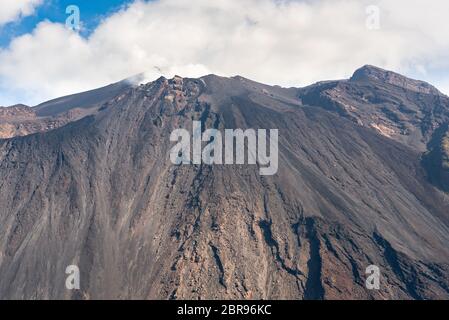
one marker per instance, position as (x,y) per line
(283,42)
(94,11)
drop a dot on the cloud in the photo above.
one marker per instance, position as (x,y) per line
(11,10)
(290,43)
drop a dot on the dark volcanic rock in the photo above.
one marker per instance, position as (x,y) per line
(371,73)
(436,160)
(102,193)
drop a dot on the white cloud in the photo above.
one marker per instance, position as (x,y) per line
(11,10)
(290,43)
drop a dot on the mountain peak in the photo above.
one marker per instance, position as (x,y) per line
(368,71)
(373,73)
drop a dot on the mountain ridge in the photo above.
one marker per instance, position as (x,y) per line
(369,72)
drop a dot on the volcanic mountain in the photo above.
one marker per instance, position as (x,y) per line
(362,180)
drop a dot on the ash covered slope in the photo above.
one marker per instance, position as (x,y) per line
(21,120)
(409,111)
(101,193)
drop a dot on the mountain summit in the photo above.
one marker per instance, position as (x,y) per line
(372,73)
(362,182)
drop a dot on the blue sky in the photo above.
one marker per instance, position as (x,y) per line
(92,13)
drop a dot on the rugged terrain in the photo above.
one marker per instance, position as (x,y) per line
(362,180)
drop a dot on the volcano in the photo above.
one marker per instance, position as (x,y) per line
(362,180)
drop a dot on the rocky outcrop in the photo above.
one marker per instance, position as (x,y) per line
(436,160)
(372,73)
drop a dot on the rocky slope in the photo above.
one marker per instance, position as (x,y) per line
(21,120)
(353,189)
